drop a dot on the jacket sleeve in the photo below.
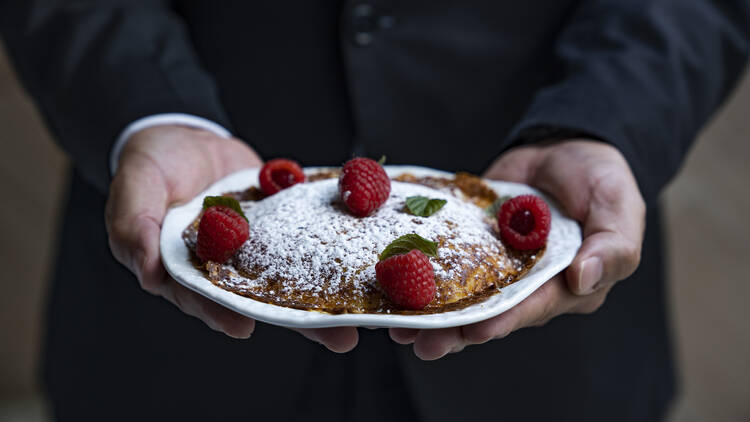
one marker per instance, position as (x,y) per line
(643,75)
(94,66)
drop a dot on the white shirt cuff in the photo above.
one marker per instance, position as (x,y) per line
(158,120)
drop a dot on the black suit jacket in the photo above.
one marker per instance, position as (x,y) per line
(438,83)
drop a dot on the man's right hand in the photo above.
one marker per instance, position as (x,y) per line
(167,165)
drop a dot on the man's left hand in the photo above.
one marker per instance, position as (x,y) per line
(593,183)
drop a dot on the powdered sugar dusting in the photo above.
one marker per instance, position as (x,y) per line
(305,241)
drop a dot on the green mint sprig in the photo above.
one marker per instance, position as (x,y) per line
(223,201)
(423,206)
(407,243)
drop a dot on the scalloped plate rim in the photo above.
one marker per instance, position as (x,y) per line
(175,257)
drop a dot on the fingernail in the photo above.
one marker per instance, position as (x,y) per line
(237,337)
(591,273)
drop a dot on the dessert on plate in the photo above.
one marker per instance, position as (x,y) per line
(351,240)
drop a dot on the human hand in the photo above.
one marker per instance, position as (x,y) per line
(166,165)
(593,183)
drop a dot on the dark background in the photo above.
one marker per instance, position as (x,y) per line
(707,209)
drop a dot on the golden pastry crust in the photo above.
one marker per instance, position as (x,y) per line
(326,263)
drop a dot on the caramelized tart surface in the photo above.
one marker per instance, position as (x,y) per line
(306,251)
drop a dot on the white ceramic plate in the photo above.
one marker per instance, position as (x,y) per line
(562,245)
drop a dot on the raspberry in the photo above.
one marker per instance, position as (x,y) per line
(524,222)
(279,174)
(408,280)
(364,186)
(221,232)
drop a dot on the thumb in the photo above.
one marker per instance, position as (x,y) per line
(517,165)
(594,184)
(613,234)
(133,215)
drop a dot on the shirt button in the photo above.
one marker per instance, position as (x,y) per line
(364,23)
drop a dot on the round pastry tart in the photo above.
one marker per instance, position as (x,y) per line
(310,261)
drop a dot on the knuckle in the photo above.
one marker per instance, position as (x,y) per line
(607,188)
(592,304)
(119,231)
(641,206)
(458,347)
(631,258)
(502,333)
(150,287)
(179,301)
(588,308)
(479,333)
(542,322)
(116,251)
(152,283)
(118,239)
(549,305)
(548,312)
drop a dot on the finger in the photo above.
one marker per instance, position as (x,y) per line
(217,317)
(434,344)
(220,157)
(336,339)
(235,155)
(139,196)
(153,277)
(613,234)
(134,210)
(147,266)
(142,189)
(548,301)
(604,258)
(403,335)
(516,165)
(593,183)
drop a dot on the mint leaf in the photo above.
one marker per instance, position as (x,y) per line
(223,201)
(407,243)
(495,207)
(423,206)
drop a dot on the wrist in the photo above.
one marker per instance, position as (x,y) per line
(186,153)
(165,119)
